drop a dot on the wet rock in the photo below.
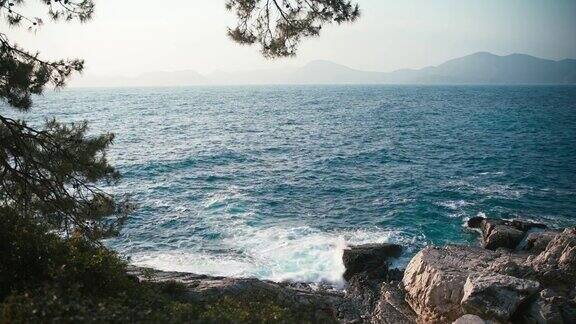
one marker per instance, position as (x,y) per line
(496,296)
(501,236)
(371,260)
(498,233)
(528,283)
(475,222)
(369,280)
(525,226)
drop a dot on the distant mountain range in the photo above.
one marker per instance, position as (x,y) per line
(478,68)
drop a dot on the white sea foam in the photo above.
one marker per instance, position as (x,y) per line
(454,204)
(466,219)
(279,254)
(493,173)
(274,252)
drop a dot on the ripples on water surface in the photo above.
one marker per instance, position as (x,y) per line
(273,182)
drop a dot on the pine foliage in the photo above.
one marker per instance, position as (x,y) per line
(279,25)
(50,174)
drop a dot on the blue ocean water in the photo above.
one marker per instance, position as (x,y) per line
(274,181)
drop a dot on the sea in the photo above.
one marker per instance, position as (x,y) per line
(274,182)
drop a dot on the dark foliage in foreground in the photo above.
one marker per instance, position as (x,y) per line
(52,213)
(50,174)
(45,278)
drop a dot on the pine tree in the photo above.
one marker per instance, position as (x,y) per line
(51,175)
(279,25)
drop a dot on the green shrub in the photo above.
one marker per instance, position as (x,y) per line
(230,310)
(30,257)
(49,279)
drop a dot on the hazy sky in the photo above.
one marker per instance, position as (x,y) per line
(128,37)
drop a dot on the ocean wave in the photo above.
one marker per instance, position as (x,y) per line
(231,184)
(454,204)
(303,254)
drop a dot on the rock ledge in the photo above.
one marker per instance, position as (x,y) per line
(523,273)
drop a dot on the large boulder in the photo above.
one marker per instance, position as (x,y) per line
(534,283)
(436,277)
(496,296)
(434,280)
(370,260)
(556,266)
(498,233)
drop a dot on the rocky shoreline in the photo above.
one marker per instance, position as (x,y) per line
(523,272)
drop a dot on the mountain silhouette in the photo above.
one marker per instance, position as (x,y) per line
(478,68)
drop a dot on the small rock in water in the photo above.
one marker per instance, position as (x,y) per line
(371,260)
(475,222)
(498,233)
